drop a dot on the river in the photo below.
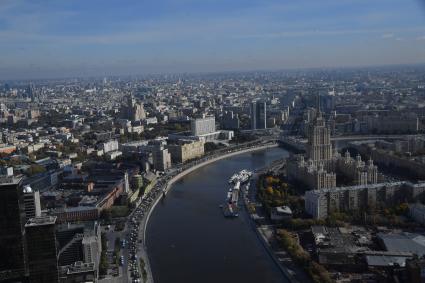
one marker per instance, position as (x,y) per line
(189,240)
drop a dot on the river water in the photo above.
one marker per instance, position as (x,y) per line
(189,240)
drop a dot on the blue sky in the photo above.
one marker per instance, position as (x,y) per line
(112,37)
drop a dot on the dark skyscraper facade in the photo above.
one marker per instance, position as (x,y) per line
(42,249)
(12,231)
(258,115)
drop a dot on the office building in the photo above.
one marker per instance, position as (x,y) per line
(258,115)
(42,249)
(394,123)
(78,272)
(184,151)
(12,231)
(230,121)
(31,203)
(203,126)
(109,146)
(161,158)
(6,171)
(79,243)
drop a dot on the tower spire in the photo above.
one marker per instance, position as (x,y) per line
(318,102)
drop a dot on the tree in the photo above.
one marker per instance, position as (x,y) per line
(269,180)
(106,215)
(269,190)
(36,169)
(402,208)
(103,264)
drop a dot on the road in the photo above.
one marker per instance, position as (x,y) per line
(366,137)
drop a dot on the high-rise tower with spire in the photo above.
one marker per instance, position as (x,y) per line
(319,146)
(323,163)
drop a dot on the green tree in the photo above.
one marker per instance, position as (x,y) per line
(36,169)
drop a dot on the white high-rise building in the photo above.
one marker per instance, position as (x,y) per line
(126,183)
(203,126)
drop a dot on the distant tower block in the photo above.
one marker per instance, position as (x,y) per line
(258,115)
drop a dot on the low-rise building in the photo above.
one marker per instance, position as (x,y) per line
(79,213)
(280,213)
(78,272)
(111,145)
(417,212)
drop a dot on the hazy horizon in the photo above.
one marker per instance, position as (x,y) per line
(119,38)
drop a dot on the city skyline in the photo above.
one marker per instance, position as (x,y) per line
(105,39)
(118,178)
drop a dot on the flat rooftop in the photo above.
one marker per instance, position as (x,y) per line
(9,180)
(39,221)
(404,242)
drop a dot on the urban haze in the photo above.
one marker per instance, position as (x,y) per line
(212,141)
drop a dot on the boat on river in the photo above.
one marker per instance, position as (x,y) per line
(230,207)
(242,177)
(230,210)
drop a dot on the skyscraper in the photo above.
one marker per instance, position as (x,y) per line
(12,231)
(319,171)
(319,146)
(30,92)
(258,115)
(133,111)
(31,203)
(230,121)
(42,249)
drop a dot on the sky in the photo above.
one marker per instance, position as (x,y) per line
(58,38)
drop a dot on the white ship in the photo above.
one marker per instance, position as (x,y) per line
(230,206)
(233,178)
(242,177)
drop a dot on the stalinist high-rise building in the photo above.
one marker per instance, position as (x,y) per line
(319,167)
(319,146)
(316,171)
(133,111)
